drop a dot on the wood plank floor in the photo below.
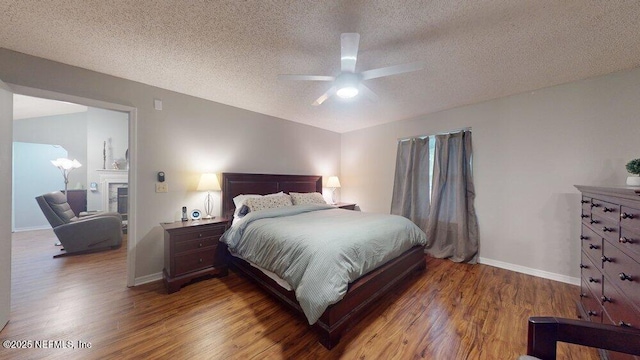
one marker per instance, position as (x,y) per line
(451,311)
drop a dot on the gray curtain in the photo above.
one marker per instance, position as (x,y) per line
(452,229)
(411,185)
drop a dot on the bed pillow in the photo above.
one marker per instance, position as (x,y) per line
(239,201)
(268,202)
(307,198)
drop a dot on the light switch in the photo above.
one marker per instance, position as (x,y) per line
(157,104)
(162,187)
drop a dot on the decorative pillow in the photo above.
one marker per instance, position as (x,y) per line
(239,200)
(268,202)
(307,198)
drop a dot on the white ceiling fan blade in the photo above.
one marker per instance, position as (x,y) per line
(349,51)
(324,96)
(392,70)
(306,77)
(368,93)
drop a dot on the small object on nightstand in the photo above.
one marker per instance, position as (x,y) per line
(196,214)
(184,214)
(192,250)
(346,206)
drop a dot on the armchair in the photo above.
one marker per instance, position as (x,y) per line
(545,332)
(81,235)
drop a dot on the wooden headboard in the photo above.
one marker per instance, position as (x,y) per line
(234,184)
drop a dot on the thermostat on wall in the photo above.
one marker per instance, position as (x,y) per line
(93,186)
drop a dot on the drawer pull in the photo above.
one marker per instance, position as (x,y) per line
(624,240)
(606,209)
(200,261)
(593,280)
(200,245)
(582,295)
(605,299)
(624,215)
(624,324)
(595,205)
(582,266)
(624,277)
(582,237)
(606,259)
(606,229)
(593,222)
(593,247)
(200,235)
(584,216)
(592,313)
(584,201)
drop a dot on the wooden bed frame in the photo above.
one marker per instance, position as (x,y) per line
(362,293)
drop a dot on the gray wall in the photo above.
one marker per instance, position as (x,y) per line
(529,151)
(188,137)
(6,126)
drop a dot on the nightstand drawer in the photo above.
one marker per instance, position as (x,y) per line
(186,245)
(194,261)
(209,232)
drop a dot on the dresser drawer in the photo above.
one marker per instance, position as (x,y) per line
(591,274)
(209,231)
(605,227)
(622,271)
(605,209)
(618,308)
(630,218)
(591,304)
(629,242)
(591,244)
(194,261)
(186,245)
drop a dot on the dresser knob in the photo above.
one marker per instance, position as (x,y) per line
(606,209)
(200,235)
(584,201)
(605,299)
(595,205)
(583,295)
(582,237)
(606,259)
(584,216)
(624,240)
(606,229)
(593,222)
(624,215)
(592,280)
(200,261)
(583,266)
(592,313)
(624,324)
(624,277)
(593,247)
(200,245)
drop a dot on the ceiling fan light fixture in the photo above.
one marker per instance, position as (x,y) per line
(347,92)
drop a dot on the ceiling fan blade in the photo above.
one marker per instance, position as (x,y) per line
(324,96)
(392,70)
(349,51)
(306,77)
(368,93)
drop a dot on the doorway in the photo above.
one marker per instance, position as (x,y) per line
(121,154)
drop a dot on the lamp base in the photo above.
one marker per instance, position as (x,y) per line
(208,217)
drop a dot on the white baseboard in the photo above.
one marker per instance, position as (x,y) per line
(147,279)
(530,271)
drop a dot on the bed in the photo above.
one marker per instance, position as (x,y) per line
(362,293)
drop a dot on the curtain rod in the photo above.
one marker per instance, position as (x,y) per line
(441,133)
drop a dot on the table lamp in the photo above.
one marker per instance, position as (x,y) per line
(208,182)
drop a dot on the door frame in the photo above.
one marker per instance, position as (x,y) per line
(133,158)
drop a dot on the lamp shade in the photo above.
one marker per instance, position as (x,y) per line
(209,182)
(333,182)
(66,164)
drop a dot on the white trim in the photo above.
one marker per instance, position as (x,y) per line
(133,156)
(530,271)
(147,279)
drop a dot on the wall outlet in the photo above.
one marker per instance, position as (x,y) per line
(162,187)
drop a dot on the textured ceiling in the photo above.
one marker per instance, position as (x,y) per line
(232,51)
(27,107)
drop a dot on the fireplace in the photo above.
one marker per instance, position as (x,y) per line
(115,192)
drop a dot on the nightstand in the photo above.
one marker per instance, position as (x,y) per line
(192,250)
(346,206)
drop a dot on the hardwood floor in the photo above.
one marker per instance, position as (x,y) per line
(451,311)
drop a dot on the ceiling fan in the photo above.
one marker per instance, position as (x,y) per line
(348,83)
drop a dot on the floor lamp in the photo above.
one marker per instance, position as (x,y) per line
(208,182)
(66,166)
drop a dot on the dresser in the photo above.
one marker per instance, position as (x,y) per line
(192,250)
(610,257)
